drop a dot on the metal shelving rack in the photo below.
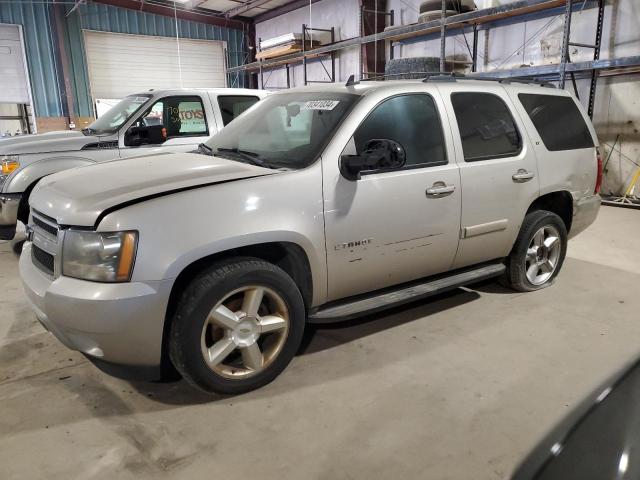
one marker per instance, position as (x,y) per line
(303,57)
(475,19)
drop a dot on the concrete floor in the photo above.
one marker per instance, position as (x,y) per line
(459,387)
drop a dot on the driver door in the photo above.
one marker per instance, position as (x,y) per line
(390,227)
(185,125)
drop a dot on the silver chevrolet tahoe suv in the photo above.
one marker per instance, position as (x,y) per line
(318,204)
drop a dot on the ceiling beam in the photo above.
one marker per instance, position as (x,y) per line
(167,11)
(282,9)
(239,10)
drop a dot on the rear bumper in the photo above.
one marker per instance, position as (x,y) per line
(118,326)
(585,211)
(9,203)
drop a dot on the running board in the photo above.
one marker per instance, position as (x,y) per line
(370,304)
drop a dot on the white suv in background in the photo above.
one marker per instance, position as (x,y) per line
(319,204)
(156,121)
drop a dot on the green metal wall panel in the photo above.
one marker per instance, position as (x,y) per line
(37,18)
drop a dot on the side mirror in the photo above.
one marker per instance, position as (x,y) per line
(378,154)
(145,135)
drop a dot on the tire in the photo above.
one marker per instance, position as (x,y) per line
(241,353)
(23,206)
(527,253)
(412,67)
(430,16)
(459,6)
(436,5)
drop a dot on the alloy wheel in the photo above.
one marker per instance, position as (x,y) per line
(244,332)
(542,255)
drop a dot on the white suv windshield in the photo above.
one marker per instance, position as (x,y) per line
(284,130)
(115,117)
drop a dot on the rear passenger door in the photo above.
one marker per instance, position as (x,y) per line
(562,137)
(231,106)
(498,171)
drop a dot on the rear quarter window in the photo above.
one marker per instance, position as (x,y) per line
(558,121)
(487,129)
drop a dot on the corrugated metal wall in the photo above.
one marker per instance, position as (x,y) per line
(40,48)
(40,40)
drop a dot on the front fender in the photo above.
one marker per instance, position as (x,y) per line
(313,255)
(20,180)
(233,242)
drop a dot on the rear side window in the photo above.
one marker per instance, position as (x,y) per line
(558,121)
(412,121)
(233,105)
(487,129)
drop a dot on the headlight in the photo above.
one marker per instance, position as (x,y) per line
(8,163)
(98,256)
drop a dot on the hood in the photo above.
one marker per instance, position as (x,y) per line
(80,195)
(46,142)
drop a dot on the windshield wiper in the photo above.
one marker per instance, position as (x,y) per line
(249,157)
(203,150)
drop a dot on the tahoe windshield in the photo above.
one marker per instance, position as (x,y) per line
(285,130)
(115,117)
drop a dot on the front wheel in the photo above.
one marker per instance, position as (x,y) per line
(237,326)
(539,252)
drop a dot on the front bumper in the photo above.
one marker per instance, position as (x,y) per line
(9,203)
(585,211)
(116,325)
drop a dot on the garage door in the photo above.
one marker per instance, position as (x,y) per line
(15,86)
(121,64)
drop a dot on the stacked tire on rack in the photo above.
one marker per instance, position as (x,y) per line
(432,9)
(411,68)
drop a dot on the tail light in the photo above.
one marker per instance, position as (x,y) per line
(599,174)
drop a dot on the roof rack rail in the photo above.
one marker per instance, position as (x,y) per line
(442,77)
(508,80)
(451,77)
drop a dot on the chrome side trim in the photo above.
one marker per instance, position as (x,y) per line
(482,228)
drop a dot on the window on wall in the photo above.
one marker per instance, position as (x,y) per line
(233,105)
(181,116)
(487,129)
(558,121)
(412,121)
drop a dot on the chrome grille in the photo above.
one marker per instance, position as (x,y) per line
(46,245)
(43,260)
(50,229)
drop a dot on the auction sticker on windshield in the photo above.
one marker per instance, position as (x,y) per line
(321,104)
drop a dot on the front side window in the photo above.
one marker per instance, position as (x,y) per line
(181,116)
(558,121)
(412,121)
(286,130)
(233,105)
(117,115)
(487,129)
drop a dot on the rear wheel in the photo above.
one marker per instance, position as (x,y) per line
(237,326)
(539,252)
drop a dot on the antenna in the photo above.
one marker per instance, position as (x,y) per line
(351,81)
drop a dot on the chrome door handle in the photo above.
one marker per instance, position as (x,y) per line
(440,189)
(522,176)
